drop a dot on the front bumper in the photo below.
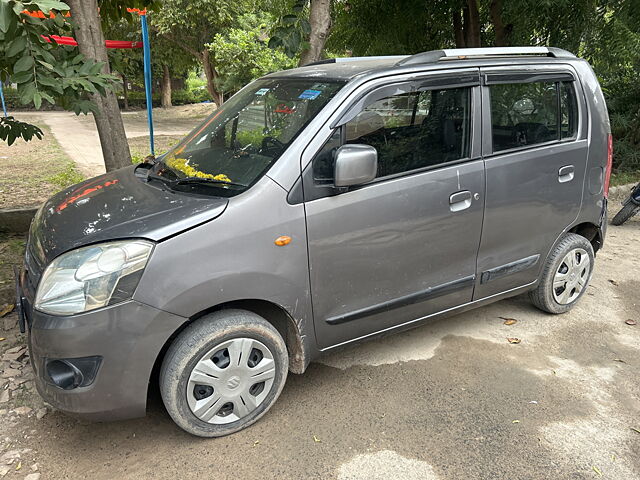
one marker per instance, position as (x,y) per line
(128,337)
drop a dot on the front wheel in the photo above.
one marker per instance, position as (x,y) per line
(625,213)
(565,276)
(223,372)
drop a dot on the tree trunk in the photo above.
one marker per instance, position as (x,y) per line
(88,33)
(500,32)
(125,92)
(166,86)
(212,75)
(472,24)
(320,22)
(458,31)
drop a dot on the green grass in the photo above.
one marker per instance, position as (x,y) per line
(623,178)
(33,171)
(16,245)
(66,177)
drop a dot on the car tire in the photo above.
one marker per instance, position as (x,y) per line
(208,375)
(625,213)
(565,276)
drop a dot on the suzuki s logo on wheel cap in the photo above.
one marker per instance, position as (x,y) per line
(233,382)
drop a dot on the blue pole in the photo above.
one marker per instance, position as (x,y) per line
(4,106)
(147,77)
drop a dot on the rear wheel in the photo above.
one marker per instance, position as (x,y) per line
(565,276)
(625,213)
(223,373)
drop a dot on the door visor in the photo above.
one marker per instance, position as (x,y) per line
(467,79)
(526,77)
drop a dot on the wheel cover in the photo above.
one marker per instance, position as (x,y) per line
(230,381)
(572,276)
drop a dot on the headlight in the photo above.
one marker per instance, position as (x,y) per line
(92,277)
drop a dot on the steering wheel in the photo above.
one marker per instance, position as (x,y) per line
(271,145)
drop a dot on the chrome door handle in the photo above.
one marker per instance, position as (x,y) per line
(460,201)
(566,173)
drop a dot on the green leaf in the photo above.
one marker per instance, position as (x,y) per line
(18,7)
(96,68)
(289,19)
(306,26)
(48,81)
(17,46)
(48,98)
(85,68)
(59,21)
(23,64)
(47,57)
(11,129)
(296,38)
(37,100)
(7,17)
(47,5)
(299,6)
(26,93)
(21,77)
(275,42)
(48,66)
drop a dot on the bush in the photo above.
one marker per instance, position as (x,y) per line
(137,99)
(623,101)
(186,96)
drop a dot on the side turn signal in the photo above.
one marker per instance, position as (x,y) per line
(282,241)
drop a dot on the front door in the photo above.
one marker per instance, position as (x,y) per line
(403,246)
(535,151)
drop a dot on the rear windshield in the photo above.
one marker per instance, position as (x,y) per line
(243,138)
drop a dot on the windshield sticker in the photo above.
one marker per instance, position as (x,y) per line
(310,94)
(262,91)
(282,108)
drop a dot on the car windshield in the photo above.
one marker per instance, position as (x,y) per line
(235,146)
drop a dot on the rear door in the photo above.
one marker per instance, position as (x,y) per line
(535,161)
(403,246)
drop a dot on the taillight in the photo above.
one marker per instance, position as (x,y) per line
(607,173)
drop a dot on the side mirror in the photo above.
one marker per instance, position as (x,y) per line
(355,165)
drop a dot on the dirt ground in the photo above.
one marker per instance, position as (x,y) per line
(72,141)
(33,171)
(450,400)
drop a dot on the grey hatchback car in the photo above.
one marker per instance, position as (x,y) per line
(318,207)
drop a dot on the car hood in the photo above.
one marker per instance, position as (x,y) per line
(114,206)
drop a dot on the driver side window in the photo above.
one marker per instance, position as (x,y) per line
(410,131)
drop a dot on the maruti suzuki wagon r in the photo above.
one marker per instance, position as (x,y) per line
(317,207)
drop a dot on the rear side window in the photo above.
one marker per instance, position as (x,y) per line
(568,111)
(524,114)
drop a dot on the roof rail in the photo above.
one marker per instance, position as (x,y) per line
(463,53)
(354,59)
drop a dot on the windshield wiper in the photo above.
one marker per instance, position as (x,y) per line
(196,180)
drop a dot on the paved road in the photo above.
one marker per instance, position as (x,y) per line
(450,400)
